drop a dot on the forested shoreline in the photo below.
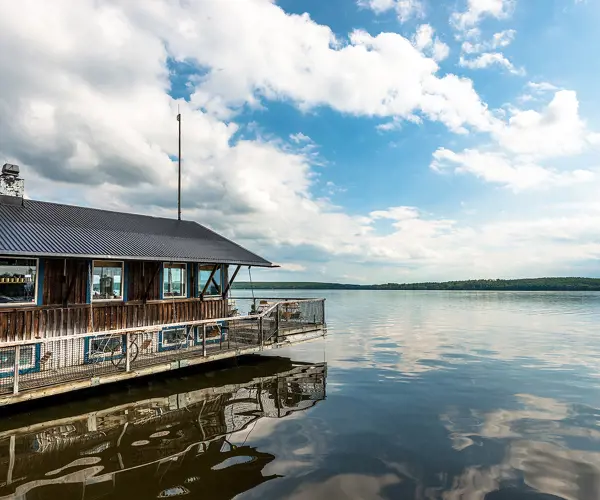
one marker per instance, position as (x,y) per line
(528,284)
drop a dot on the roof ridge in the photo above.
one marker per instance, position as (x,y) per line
(105,210)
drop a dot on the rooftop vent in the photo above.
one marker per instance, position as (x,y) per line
(10,169)
(11,187)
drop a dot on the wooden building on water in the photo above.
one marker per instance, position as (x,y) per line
(92,296)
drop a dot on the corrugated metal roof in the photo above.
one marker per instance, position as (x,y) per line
(49,229)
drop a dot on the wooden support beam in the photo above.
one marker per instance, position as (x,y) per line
(210,278)
(227,288)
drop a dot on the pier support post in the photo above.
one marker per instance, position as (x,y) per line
(16,369)
(11,459)
(204,340)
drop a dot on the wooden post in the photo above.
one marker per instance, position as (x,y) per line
(261,332)
(204,340)
(277,323)
(16,369)
(127,352)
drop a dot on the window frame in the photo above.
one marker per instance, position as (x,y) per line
(219,339)
(87,341)
(172,347)
(30,368)
(35,284)
(221,274)
(184,281)
(122,299)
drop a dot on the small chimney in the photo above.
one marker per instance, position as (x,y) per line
(11,187)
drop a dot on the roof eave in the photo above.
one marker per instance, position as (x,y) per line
(265,263)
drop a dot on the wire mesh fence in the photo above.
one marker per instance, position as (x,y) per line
(53,361)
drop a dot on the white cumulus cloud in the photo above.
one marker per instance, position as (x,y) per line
(478,9)
(517,174)
(405,9)
(488,59)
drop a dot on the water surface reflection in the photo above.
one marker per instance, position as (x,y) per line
(161,446)
(430,396)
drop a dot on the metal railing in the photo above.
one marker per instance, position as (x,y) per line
(27,365)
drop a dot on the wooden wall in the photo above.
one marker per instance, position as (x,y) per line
(65,281)
(30,322)
(143,280)
(65,312)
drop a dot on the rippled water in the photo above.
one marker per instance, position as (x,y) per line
(424,395)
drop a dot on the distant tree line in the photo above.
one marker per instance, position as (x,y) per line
(528,284)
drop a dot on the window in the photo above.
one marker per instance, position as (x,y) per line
(29,360)
(107,281)
(104,348)
(174,280)
(18,280)
(172,338)
(215,333)
(214,287)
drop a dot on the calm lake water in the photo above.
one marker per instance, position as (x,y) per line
(412,395)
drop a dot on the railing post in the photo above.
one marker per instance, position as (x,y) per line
(277,324)
(16,369)
(261,332)
(127,352)
(204,340)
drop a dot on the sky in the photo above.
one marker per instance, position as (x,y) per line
(367,141)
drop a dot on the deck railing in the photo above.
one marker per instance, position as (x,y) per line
(28,365)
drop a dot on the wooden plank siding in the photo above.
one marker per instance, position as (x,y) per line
(65,311)
(143,278)
(65,281)
(47,321)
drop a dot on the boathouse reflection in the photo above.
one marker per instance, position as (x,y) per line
(157,447)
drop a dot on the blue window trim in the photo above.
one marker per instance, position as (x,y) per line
(162,348)
(214,340)
(162,280)
(125,280)
(190,289)
(37,353)
(86,347)
(40,282)
(89,272)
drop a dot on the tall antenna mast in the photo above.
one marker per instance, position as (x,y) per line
(179,161)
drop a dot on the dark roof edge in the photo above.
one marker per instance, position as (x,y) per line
(264,263)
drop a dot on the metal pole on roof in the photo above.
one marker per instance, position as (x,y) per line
(179,161)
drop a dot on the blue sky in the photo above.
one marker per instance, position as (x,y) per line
(369,141)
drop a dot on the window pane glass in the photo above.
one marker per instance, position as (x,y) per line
(7,358)
(107,280)
(173,338)
(105,347)
(17,280)
(174,280)
(204,275)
